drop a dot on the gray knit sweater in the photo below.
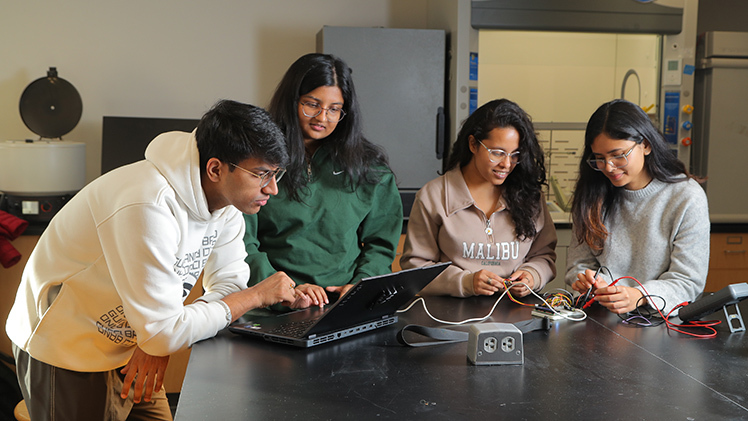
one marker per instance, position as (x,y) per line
(660,236)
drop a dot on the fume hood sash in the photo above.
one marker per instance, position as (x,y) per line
(597,16)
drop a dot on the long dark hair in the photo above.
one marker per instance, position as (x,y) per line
(522,190)
(595,197)
(351,151)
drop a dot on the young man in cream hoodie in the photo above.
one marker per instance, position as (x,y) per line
(100,305)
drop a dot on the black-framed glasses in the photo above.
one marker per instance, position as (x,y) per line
(313,109)
(499,155)
(266,176)
(618,161)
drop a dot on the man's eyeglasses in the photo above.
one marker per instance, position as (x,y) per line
(618,161)
(266,176)
(499,155)
(312,109)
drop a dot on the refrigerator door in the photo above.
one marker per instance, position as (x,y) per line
(399,76)
(721,127)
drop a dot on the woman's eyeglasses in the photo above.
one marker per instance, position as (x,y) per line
(312,109)
(499,155)
(618,161)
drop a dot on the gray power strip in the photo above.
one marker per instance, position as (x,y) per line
(495,343)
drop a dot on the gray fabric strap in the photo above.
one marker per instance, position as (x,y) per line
(448,336)
(443,335)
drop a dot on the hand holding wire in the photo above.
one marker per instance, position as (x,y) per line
(597,289)
(619,299)
(521,283)
(585,281)
(487,283)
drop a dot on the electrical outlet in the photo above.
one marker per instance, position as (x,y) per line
(490,344)
(495,343)
(507,344)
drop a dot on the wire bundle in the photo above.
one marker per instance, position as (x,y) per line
(558,298)
(646,317)
(554,296)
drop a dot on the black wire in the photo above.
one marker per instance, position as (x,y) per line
(645,312)
(586,295)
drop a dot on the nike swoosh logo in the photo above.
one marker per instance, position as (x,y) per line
(337,172)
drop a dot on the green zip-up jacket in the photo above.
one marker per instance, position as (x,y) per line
(334,236)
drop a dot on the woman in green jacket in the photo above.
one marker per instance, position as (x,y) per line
(338,215)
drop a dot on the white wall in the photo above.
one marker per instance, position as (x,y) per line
(166,58)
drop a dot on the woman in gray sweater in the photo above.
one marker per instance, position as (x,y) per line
(637,212)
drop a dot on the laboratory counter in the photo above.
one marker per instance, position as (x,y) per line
(599,368)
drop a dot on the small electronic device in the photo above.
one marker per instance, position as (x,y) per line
(495,343)
(560,313)
(708,304)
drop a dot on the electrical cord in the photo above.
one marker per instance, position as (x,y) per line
(587,300)
(707,325)
(559,298)
(480,319)
(644,313)
(563,298)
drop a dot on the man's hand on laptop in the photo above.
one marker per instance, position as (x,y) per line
(276,288)
(308,295)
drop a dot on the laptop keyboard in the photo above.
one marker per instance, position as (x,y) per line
(294,329)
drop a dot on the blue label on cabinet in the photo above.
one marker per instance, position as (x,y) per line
(473,100)
(670,121)
(473,66)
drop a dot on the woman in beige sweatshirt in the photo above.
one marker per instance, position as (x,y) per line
(486,214)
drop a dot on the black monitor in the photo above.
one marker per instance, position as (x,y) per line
(124,139)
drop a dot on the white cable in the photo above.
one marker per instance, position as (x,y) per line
(480,319)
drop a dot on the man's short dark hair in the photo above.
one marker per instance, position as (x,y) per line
(232,132)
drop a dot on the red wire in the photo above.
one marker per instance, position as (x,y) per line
(672,326)
(590,301)
(507,286)
(708,325)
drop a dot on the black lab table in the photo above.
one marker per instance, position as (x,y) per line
(595,369)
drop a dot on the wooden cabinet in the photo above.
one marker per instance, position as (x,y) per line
(9,280)
(728,260)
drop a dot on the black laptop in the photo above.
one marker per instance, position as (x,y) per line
(370,304)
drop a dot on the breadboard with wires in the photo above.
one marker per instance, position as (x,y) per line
(560,313)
